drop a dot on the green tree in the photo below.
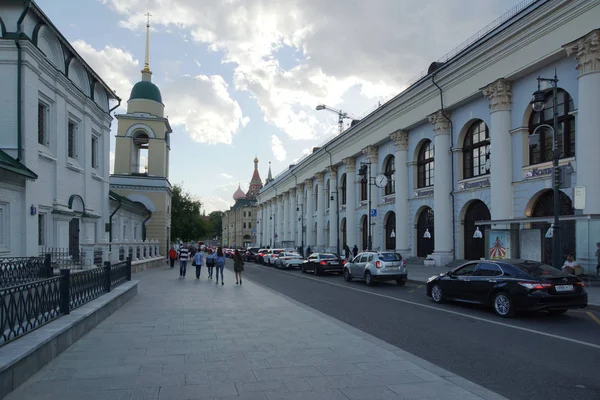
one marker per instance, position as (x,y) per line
(186,222)
(215,222)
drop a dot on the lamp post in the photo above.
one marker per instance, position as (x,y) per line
(538,103)
(365,172)
(301,219)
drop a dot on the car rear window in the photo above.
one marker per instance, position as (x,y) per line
(326,256)
(538,269)
(390,257)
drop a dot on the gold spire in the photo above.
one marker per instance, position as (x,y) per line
(146,71)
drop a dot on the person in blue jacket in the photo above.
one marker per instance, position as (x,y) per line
(220,264)
(198,259)
(210,263)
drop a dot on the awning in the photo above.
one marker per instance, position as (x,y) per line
(10,164)
(533,220)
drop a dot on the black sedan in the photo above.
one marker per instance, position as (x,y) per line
(509,286)
(320,263)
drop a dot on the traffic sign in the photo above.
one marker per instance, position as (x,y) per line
(374,212)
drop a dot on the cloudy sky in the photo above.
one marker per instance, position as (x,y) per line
(241,78)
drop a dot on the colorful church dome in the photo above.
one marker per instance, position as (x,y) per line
(239,194)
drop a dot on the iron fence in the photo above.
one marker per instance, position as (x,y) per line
(19,270)
(28,306)
(65,258)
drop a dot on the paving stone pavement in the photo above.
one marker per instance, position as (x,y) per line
(191,339)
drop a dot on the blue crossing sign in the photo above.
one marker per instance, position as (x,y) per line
(373,212)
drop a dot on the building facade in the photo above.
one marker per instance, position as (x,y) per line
(456,168)
(239,222)
(54,140)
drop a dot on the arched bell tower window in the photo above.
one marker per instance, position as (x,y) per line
(139,159)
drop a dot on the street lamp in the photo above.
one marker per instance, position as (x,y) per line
(301,219)
(537,104)
(365,172)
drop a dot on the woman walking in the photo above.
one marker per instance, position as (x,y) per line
(238,266)
(220,264)
(210,263)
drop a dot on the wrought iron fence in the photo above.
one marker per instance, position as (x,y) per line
(19,270)
(65,258)
(28,306)
(98,255)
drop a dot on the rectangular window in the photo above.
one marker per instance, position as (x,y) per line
(43,124)
(94,152)
(249,213)
(4,223)
(244,225)
(249,224)
(41,229)
(72,140)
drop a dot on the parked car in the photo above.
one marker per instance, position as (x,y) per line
(271,255)
(377,266)
(320,263)
(259,258)
(510,286)
(287,259)
(251,253)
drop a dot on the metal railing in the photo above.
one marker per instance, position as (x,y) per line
(28,306)
(65,258)
(19,270)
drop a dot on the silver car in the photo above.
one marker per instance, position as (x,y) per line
(287,259)
(376,266)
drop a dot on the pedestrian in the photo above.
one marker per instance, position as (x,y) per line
(198,259)
(210,263)
(347,252)
(172,256)
(355,251)
(308,251)
(220,264)
(184,254)
(238,266)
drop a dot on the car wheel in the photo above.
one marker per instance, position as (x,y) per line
(302,269)
(316,271)
(347,276)
(437,294)
(556,312)
(503,305)
(401,282)
(368,279)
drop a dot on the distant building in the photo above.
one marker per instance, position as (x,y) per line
(240,221)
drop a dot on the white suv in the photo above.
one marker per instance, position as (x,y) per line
(373,266)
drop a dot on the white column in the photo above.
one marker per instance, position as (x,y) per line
(442,201)
(333,210)
(259,224)
(300,214)
(373,155)
(587,142)
(350,164)
(309,210)
(293,228)
(269,220)
(285,207)
(320,239)
(400,139)
(279,220)
(499,94)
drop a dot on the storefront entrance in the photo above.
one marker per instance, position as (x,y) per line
(390,231)
(475,248)
(425,224)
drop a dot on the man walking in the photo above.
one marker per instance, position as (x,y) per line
(184,254)
(172,256)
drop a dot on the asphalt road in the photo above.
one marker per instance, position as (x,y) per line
(534,356)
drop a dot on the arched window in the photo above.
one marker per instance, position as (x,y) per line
(425,165)
(139,163)
(389,170)
(476,151)
(363,188)
(542,152)
(343,189)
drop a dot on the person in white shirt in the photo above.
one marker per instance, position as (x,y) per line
(570,265)
(184,255)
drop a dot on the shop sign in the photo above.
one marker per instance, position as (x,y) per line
(388,199)
(474,184)
(533,173)
(424,193)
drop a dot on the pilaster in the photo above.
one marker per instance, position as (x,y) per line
(400,140)
(350,163)
(320,239)
(333,209)
(309,210)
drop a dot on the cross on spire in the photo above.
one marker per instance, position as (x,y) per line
(146,69)
(148,22)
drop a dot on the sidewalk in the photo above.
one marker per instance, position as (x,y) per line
(189,339)
(419,274)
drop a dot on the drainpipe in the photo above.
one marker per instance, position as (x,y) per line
(452,159)
(19,81)
(337,204)
(110,223)
(144,225)
(115,107)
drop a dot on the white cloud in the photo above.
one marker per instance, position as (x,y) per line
(224,175)
(200,104)
(215,203)
(296,54)
(277,148)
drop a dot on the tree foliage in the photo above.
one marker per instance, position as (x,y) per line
(215,222)
(187,224)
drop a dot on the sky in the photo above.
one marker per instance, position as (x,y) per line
(241,78)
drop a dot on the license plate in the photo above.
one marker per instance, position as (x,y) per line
(392,268)
(563,288)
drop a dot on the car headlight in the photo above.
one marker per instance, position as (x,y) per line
(433,278)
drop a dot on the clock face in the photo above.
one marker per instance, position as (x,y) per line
(381,180)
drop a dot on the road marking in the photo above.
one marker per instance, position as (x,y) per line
(414,303)
(418,287)
(592,316)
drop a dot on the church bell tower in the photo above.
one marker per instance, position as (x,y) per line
(141,169)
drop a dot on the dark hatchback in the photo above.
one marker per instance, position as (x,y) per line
(510,286)
(320,263)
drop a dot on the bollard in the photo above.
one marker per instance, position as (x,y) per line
(107,276)
(48,272)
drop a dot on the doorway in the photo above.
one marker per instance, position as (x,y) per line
(475,248)
(74,239)
(425,224)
